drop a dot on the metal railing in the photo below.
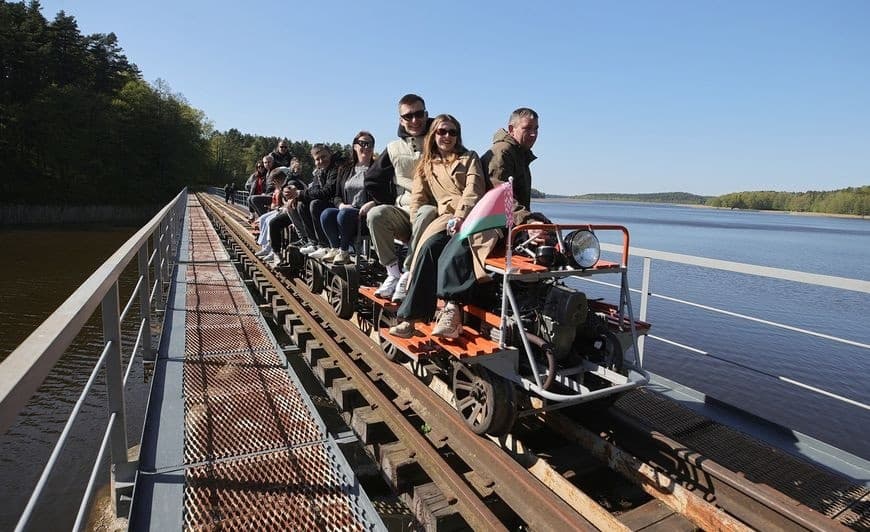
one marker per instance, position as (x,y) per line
(27,367)
(829,281)
(240,197)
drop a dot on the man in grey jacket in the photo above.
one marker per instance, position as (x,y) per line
(388,183)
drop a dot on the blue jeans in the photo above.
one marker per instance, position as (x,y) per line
(341,226)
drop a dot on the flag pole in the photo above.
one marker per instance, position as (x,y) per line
(509,219)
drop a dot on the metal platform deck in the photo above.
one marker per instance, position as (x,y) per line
(231,440)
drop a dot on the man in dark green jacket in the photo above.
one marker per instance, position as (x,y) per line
(510,156)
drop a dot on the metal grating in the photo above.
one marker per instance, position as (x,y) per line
(257,456)
(296,489)
(213,275)
(206,297)
(246,423)
(224,375)
(246,334)
(818,489)
(261,359)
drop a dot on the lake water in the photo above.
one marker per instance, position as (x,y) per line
(747,358)
(39,270)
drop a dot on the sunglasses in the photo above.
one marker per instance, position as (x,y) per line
(407,117)
(282,147)
(441,131)
(362,143)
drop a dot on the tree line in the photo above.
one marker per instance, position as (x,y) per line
(79,125)
(853,200)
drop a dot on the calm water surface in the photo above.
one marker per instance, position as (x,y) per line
(831,246)
(39,270)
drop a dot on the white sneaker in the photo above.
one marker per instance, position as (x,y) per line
(269,256)
(449,324)
(318,254)
(308,250)
(329,255)
(388,287)
(341,257)
(263,252)
(275,261)
(402,287)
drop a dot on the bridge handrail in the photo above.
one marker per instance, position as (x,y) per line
(830,281)
(26,368)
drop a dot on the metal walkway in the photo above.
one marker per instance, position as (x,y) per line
(231,440)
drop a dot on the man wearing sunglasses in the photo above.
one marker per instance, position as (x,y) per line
(282,154)
(388,183)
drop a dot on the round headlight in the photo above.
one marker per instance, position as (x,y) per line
(583,248)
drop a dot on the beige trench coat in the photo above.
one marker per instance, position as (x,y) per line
(454,188)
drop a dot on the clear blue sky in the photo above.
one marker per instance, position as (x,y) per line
(704,96)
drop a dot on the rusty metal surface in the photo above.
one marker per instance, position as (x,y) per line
(797,480)
(294,489)
(255,453)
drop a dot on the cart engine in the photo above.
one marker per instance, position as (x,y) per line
(566,325)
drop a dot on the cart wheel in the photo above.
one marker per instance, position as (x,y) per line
(487,402)
(296,261)
(387,318)
(339,297)
(313,276)
(364,318)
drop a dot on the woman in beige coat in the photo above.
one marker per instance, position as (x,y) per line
(451,177)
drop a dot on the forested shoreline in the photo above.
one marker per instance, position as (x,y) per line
(854,201)
(79,126)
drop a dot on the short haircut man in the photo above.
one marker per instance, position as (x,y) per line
(282,154)
(388,182)
(511,155)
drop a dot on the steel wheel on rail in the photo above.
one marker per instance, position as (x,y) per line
(296,261)
(338,294)
(487,402)
(313,276)
(364,319)
(387,319)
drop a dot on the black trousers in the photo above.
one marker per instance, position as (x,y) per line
(309,213)
(260,203)
(444,269)
(277,224)
(421,301)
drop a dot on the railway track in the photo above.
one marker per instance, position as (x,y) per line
(551,473)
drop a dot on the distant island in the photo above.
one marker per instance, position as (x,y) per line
(852,201)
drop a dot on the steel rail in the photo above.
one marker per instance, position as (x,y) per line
(536,504)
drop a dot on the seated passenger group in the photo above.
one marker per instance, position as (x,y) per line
(418,192)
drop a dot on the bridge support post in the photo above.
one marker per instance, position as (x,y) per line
(145,304)
(644,302)
(122,472)
(158,268)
